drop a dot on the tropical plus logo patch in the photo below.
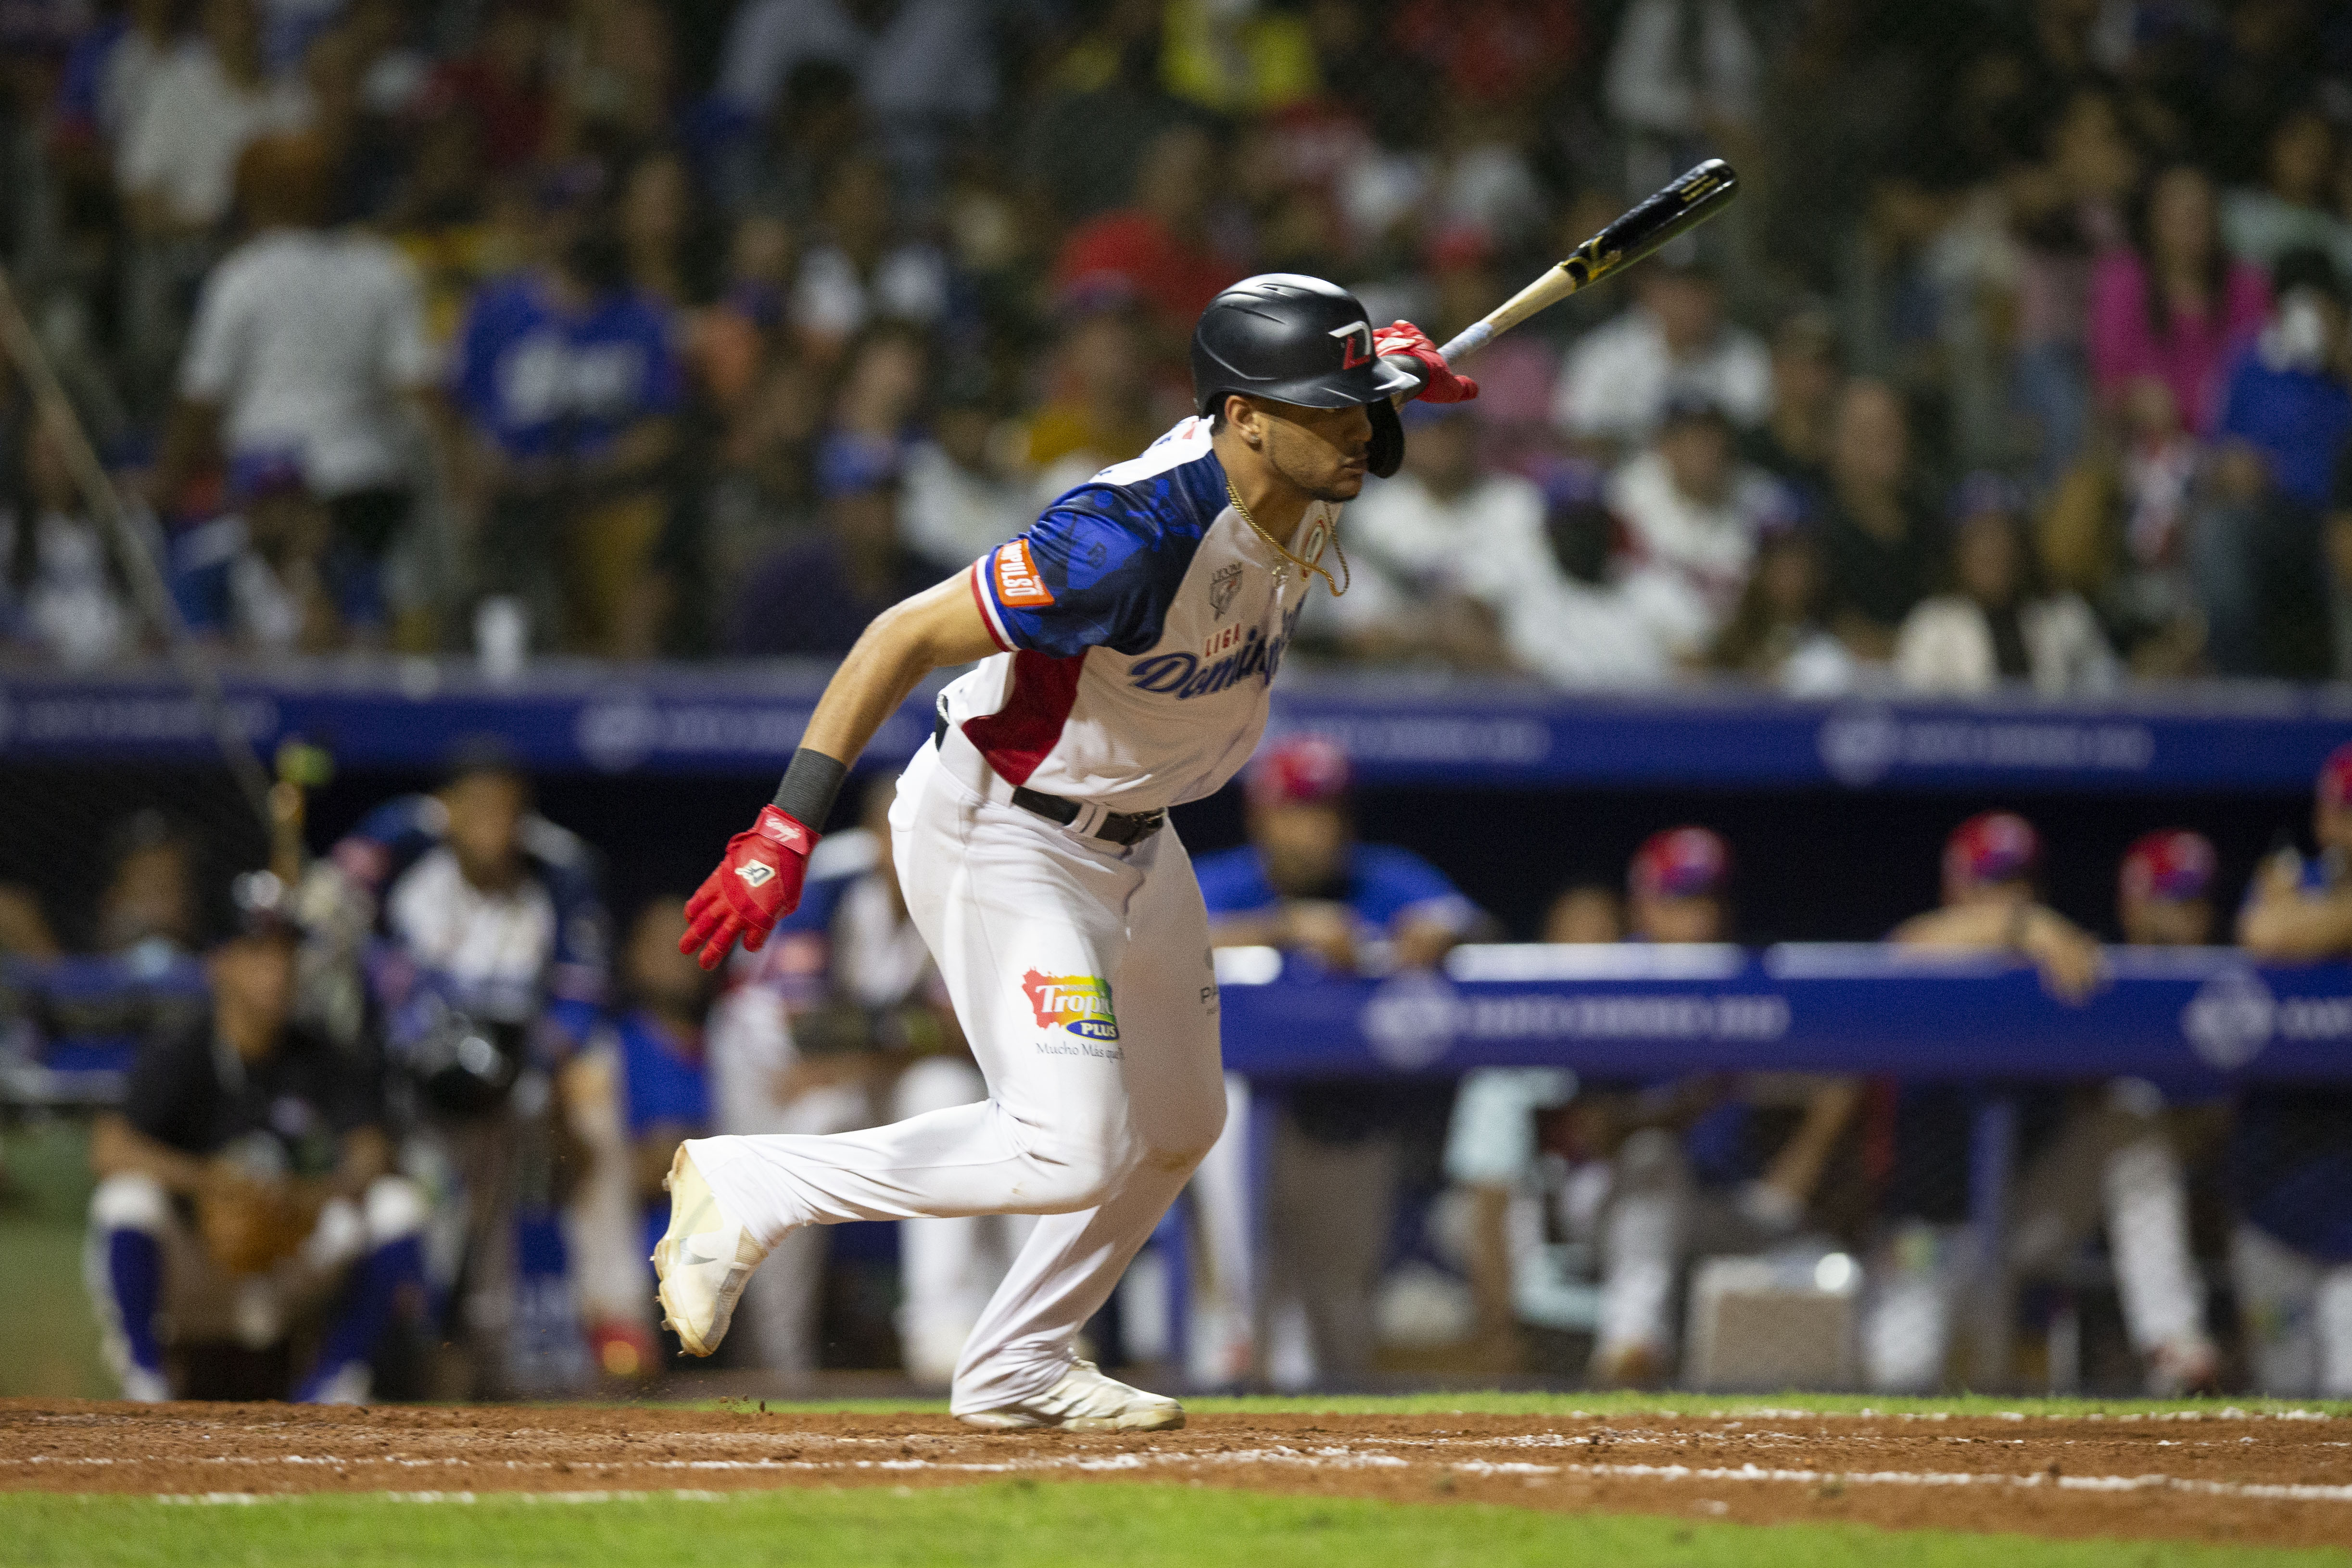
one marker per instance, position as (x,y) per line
(1078,1003)
(1223,584)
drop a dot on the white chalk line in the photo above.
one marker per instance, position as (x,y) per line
(1341,1458)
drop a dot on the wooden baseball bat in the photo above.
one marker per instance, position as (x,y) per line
(1641,231)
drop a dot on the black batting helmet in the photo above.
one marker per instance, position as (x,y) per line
(1288,338)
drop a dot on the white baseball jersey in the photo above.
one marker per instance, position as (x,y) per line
(1142,622)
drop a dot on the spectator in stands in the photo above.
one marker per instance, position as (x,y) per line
(860,267)
(814,597)
(2289,398)
(1581,612)
(263,579)
(1693,1171)
(1156,245)
(1305,885)
(1998,623)
(2291,1150)
(1618,379)
(1878,547)
(2290,210)
(2172,305)
(214,95)
(1437,552)
(569,385)
(61,596)
(246,1189)
(1693,509)
(500,85)
(1685,77)
(490,970)
(963,494)
(921,68)
(1793,442)
(308,347)
(1778,633)
(1098,406)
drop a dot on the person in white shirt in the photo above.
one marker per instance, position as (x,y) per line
(1436,551)
(958,501)
(1997,625)
(1691,508)
(58,597)
(201,107)
(309,345)
(1617,380)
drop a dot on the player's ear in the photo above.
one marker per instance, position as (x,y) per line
(1247,419)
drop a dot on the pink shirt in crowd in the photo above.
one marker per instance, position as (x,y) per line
(2193,358)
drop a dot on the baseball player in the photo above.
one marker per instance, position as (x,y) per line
(2291,1150)
(1127,643)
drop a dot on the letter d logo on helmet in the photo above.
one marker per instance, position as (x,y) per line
(1272,336)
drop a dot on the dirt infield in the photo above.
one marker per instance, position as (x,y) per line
(2283,1480)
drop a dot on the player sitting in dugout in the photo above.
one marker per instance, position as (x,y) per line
(1590,1201)
(2098,1155)
(1305,884)
(2291,1154)
(245,1204)
(489,962)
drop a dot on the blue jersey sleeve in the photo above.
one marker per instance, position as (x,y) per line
(1101,568)
(1234,882)
(1385,882)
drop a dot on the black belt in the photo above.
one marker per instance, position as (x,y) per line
(1120,827)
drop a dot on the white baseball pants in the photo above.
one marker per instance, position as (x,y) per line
(1080,972)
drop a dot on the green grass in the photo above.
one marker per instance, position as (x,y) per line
(1492,1402)
(1009,1525)
(45,1315)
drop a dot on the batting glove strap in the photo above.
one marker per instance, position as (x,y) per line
(1402,339)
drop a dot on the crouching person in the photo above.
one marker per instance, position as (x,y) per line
(244,1198)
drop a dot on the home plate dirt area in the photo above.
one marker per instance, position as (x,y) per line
(2222,1477)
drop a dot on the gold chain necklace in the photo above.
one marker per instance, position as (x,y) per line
(1338,585)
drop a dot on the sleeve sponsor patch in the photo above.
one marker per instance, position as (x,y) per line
(1018,585)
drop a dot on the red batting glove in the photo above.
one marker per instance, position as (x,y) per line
(1402,339)
(757,884)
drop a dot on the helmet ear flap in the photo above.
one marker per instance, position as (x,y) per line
(1388,438)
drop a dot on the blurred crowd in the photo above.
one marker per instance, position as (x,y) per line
(700,329)
(398,1125)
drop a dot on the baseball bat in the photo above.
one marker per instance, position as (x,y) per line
(1640,231)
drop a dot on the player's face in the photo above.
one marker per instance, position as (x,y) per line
(2167,922)
(486,825)
(2332,825)
(1302,844)
(1322,451)
(252,985)
(1959,892)
(1698,918)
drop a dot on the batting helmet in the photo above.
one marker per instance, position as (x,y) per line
(1288,338)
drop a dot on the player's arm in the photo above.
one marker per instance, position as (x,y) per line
(759,882)
(2285,922)
(2067,955)
(118,1148)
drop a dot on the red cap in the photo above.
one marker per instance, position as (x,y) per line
(1996,846)
(1680,863)
(2171,864)
(1298,770)
(2336,776)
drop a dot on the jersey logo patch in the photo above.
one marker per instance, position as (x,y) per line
(1355,343)
(1223,584)
(1078,1003)
(1017,583)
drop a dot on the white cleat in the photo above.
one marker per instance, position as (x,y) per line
(703,1261)
(1085,1401)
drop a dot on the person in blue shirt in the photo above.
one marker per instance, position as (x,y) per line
(568,382)
(2291,1154)
(2287,399)
(1305,884)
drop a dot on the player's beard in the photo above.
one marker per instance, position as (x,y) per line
(1313,467)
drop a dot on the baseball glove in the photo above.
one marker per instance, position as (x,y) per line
(249,1226)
